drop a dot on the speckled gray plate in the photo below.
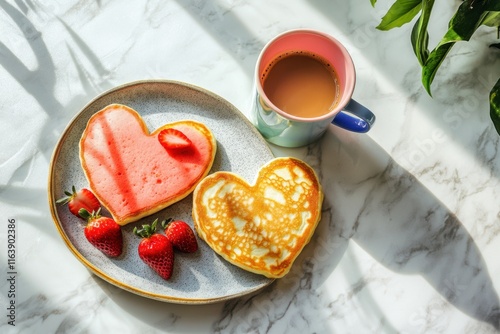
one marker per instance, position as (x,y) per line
(198,278)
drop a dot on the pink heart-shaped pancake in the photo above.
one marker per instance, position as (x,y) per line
(129,170)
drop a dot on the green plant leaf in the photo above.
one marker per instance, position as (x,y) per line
(495,106)
(400,13)
(492,19)
(465,22)
(420,45)
(373,2)
(462,26)
(432,64)
(491,5)
(419,34)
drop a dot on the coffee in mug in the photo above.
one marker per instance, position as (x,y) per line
(301,84)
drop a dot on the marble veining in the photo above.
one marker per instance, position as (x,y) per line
(410,229)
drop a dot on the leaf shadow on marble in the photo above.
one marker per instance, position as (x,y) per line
(226,28)
(36,82)
(40,82)
(405,227)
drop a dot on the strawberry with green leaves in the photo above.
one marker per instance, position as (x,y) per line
(180,235)
(155,250)
(81,199)
(103,233)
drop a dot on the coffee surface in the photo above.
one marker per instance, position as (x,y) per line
(301,84)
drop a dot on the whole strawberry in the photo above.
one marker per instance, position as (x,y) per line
(103,233)
(156,250)
(81,199)
(181,236)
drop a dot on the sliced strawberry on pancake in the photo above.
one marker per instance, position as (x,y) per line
(173,139)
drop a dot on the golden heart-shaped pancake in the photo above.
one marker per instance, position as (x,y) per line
(263,227)
(129,170)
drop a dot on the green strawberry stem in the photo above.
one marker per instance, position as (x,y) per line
(89,216)
(69,196)
(165,223)
(146,230)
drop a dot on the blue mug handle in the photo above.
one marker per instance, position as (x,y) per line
(355,117)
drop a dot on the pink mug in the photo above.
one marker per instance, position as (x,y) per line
(284,129)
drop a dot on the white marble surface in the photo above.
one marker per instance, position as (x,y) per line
(410,235)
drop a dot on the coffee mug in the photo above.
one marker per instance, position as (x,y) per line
(304,81)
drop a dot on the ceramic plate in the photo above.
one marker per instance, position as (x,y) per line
(202,277)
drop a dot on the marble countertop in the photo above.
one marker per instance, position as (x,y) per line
(410,234)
